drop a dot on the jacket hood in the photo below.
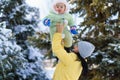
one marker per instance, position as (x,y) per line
(85,48)
(60,1)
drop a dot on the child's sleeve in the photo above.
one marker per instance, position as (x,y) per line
(70,20)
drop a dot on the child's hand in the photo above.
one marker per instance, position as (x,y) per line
(59,28)
(73,30)
(47,22)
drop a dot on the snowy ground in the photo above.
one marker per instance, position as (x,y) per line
(50,72)
(49,69)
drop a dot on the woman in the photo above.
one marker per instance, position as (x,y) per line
(70,66)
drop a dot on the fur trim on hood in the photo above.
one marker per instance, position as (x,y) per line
(60,1)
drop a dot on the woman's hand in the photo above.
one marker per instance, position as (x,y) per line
(59,27)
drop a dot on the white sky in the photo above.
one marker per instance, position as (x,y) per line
(43,5)
(34,3)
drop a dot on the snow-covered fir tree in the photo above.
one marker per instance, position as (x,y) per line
(101,26)
(18,64)
(18,60)
(20,18)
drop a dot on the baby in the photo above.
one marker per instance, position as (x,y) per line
(59,15)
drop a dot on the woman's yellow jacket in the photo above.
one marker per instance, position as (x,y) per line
(68,67)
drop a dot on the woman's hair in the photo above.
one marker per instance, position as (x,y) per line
(83,62)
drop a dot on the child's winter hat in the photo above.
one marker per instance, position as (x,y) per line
(85,48)
(60,1)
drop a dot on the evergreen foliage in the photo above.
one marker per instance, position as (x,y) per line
(20,18)
(101,26)
(41,40)
(18,59)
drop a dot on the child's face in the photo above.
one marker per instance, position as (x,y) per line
(60,8)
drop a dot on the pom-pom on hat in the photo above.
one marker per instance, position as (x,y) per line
(85,48)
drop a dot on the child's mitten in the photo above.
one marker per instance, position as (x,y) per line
(73,30)
(47,22)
